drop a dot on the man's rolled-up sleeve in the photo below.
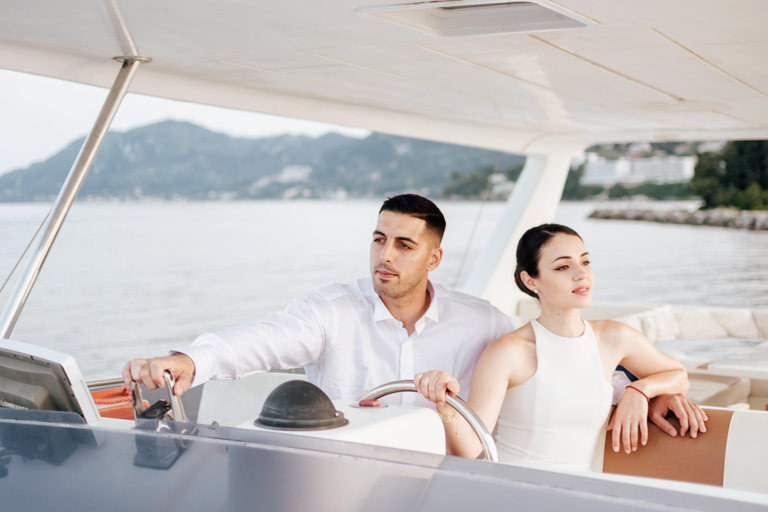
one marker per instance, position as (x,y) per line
(286,339)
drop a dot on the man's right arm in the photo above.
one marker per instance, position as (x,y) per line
(286,339)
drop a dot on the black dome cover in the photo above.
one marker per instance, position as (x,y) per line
(299,405)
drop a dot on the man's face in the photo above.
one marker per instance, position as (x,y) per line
(403,252)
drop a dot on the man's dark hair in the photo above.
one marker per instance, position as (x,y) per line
(420,207)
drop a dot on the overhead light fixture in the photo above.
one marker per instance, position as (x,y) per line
(475,18)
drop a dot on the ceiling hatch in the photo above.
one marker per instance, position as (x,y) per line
(457,19)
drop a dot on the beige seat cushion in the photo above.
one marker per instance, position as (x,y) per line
(761,320)
(657,324)
(694,353)
(738,323)
(660,325)
(694,325)
(717,391)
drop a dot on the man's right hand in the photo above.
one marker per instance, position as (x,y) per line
(150,371)
(435,384)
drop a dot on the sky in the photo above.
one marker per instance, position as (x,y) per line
(39,116)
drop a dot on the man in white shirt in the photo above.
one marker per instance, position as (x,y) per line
(351,338)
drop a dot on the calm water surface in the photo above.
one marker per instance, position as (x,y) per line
(127,279)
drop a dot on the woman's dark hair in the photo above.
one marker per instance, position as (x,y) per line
(420,207)
(529,251)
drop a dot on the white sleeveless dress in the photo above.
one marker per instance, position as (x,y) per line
(555,418)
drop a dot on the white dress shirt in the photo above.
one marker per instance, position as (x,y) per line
(348,342)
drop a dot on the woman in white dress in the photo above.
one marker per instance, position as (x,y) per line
(548,384)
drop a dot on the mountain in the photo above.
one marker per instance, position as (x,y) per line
(174,159)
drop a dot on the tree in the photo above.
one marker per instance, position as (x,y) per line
(513,173)
(573,188)
(737,176)
(618,191)
(472,184)
(708,178)
(662,190)
(752,198)
(475,183)
(746,162)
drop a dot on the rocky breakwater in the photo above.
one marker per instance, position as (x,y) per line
(722,217)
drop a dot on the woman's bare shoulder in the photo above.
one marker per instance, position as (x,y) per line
(521,339)
(511,357)
(613,330)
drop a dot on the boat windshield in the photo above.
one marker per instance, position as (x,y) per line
(56,466)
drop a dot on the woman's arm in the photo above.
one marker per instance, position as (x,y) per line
(658,374)
(502,365)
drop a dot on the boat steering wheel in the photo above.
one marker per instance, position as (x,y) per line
(461,407)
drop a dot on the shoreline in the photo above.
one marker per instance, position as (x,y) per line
(756,220)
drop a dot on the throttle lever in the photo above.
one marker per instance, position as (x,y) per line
(164,416)
(177,409)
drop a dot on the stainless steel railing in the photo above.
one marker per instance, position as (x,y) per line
(461,407)
(67,195)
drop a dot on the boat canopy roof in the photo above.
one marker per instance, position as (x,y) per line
(652,70)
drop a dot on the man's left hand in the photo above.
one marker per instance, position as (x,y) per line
(692,417)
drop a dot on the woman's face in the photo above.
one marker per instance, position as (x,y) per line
(565,276)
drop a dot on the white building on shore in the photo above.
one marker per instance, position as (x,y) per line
(634,171)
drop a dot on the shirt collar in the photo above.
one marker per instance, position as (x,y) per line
(380,311)
(433,311)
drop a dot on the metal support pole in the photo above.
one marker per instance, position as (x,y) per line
(533,201)
(67,195)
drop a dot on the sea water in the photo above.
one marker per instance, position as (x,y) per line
(135,279)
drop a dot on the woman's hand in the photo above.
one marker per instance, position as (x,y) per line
(630,421)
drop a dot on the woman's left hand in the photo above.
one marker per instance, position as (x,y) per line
(630,422)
